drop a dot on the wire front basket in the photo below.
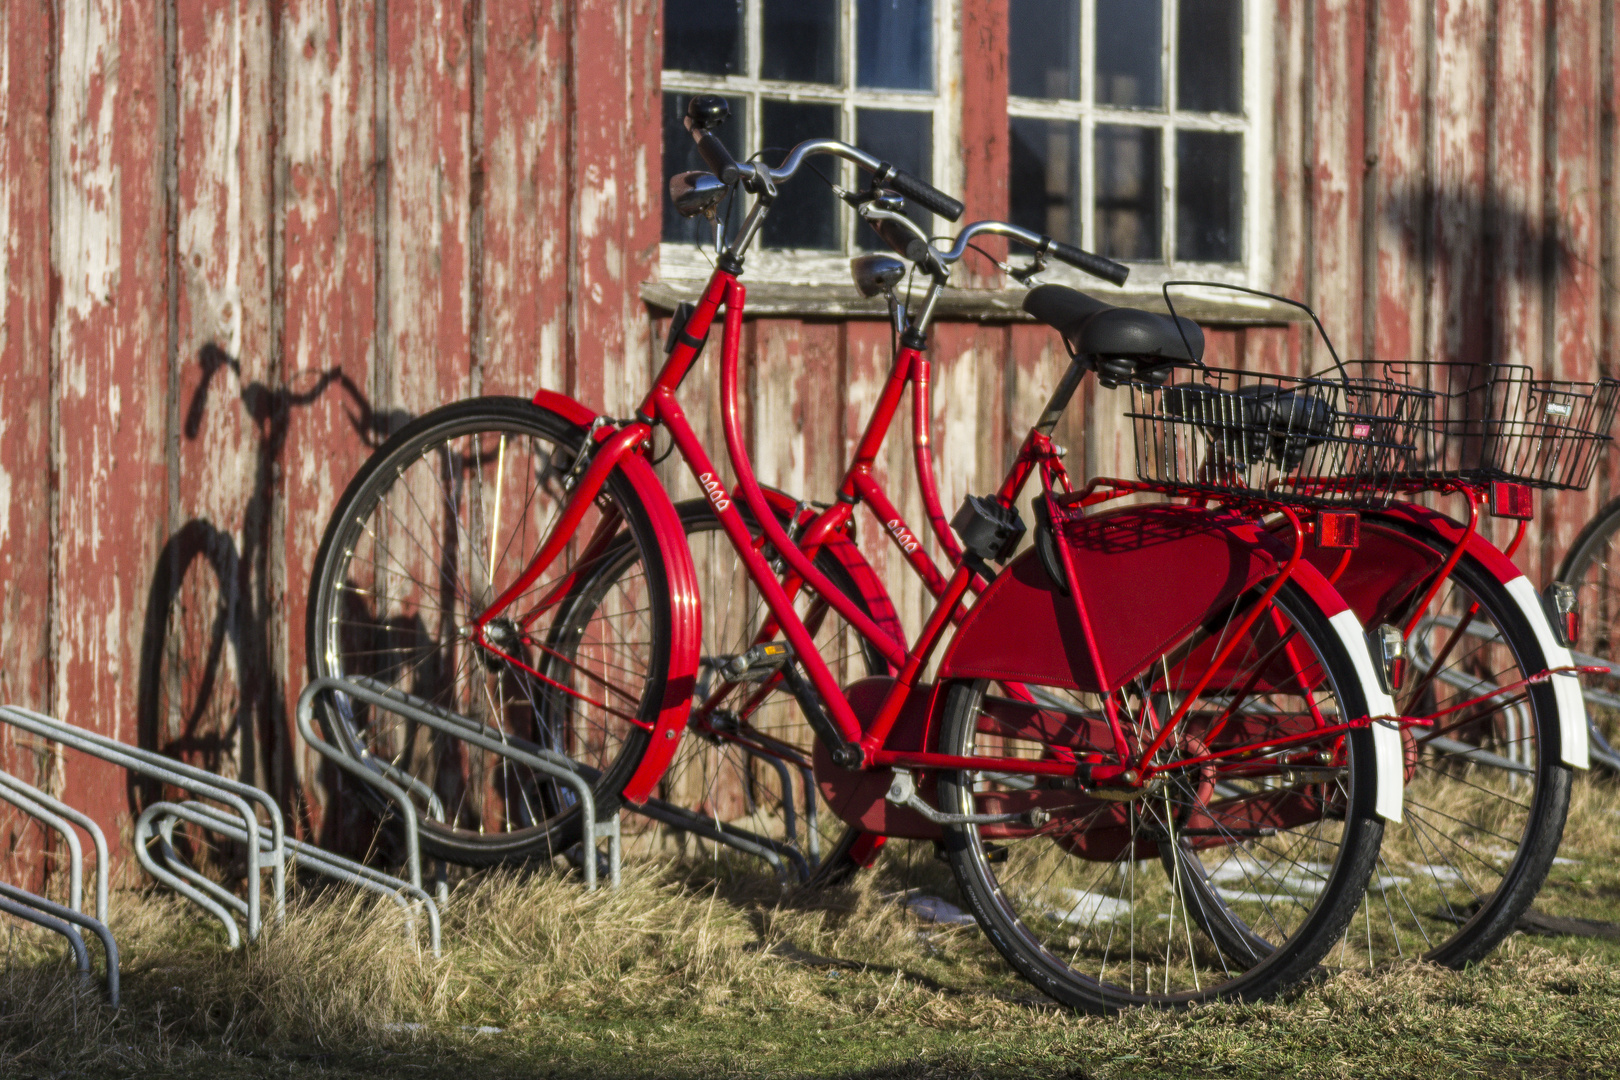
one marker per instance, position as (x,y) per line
(1309,441)
(1497,422)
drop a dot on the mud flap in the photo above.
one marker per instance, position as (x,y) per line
(1575,743)
(1389,757)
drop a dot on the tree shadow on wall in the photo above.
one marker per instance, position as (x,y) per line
(209,691)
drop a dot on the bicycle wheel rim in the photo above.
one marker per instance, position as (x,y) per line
(442,518)
(1485,798)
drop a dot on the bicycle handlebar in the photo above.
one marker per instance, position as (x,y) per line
(1085,261)
(757,174)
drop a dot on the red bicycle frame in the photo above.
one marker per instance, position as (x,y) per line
(862,744)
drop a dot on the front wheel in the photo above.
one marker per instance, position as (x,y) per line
(436,525)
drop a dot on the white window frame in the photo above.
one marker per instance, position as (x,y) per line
(1254,124)
(686,262)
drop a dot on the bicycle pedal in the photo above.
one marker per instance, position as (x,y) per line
(757,664)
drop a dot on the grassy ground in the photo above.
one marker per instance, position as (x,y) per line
(677,977)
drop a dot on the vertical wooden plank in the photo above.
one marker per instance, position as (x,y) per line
(614,172)
(1515,223)
(1336,159)
(428,359)
(208,672)
(523,274)
(1398,196)
(983,121)
(25,392)
(109,255)
(326,209)
(1290,227)
(1460,92)
(1571,216)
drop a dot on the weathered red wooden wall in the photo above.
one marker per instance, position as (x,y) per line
(244,240)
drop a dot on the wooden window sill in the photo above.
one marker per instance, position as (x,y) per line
(776,301)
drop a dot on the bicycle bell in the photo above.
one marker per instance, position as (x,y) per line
(695,193)
(877,273)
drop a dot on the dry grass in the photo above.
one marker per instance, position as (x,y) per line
(679,976)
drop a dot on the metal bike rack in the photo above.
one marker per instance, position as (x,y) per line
(58,815)
(391,783)
(268,845)
(241,798)
(60,919)
(159,820)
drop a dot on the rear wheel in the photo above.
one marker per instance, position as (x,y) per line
(1220,878)
(440,520)
(1486,793)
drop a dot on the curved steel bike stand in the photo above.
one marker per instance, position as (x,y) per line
(159,820)
(381,777)
(241,798)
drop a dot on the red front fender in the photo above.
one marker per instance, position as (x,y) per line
(685,611)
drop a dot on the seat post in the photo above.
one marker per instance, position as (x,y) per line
(1059,400)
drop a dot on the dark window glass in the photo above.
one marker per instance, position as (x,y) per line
(1043,48)
(1209,61)
(1127,191)
(703,35)
(894,44)
(1209,196)
(805,214)
(801,41)
(1044,181)
(905,140)
(680,155)
(1130,44)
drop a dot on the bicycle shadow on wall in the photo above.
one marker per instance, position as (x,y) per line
(209,689)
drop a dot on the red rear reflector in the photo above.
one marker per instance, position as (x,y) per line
(1510,500)
(1338,529)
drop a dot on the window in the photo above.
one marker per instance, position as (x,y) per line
(868,72)
(1128,127)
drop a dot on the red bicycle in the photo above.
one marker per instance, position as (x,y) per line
(1200,695)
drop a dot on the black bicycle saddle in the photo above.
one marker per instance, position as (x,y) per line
(1119,343)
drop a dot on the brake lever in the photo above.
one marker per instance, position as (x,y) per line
(1027,274)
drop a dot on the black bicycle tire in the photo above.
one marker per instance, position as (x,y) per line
(1495,919)
(562,832)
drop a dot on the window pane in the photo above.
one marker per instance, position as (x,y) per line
(680,155)
(905,140)
(1209,196)
(1044,182)
(1128,190)
(703,35)
(1209,63)
(1043,48)
(894,40)
(1130,44)
(801,41)
(806,211)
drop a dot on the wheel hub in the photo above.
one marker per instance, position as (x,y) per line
(500,636)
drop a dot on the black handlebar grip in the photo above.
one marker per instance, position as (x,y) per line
(1095,265)
(716,156)
(922,193)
